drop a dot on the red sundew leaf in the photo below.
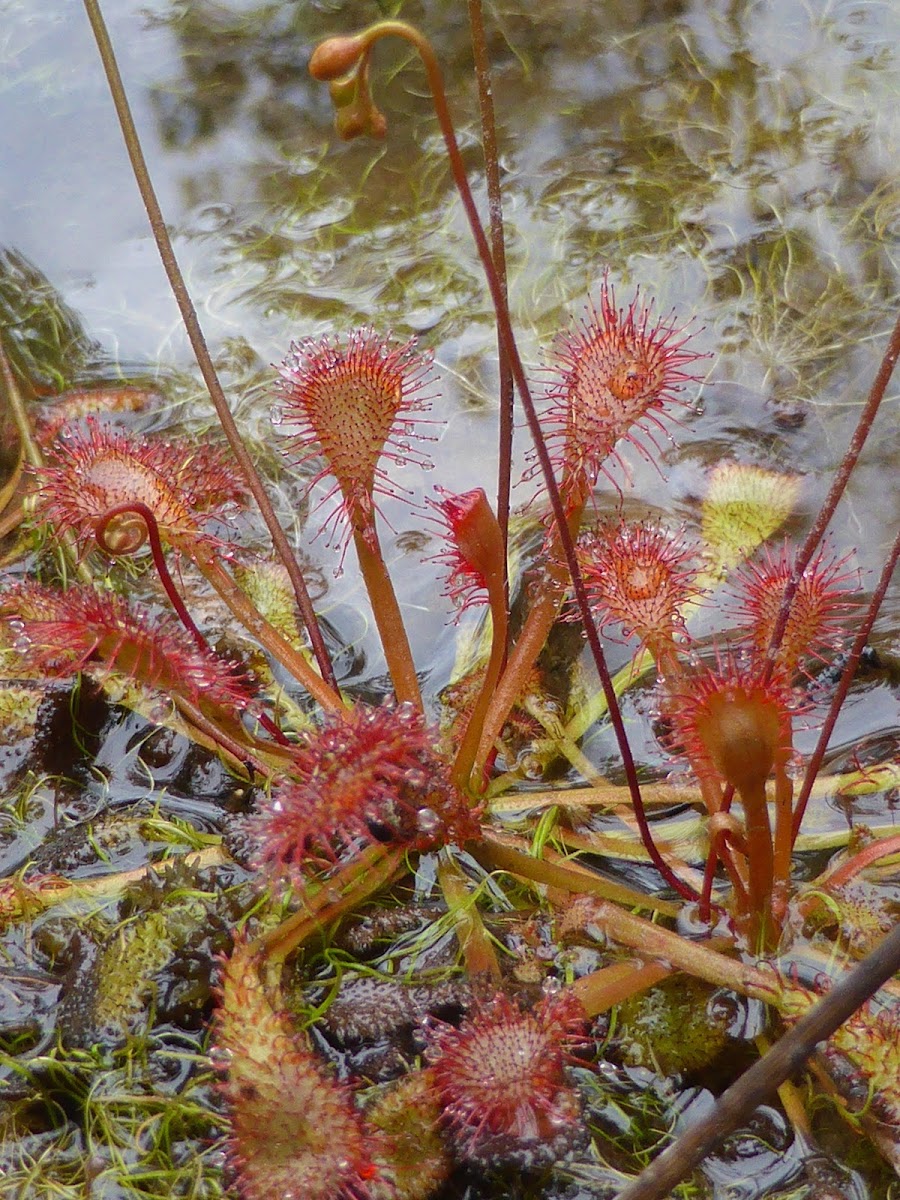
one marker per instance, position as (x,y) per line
(354,406)
(615,373)
(501,1079)
(640,577)
(85,629)
(295,1131)
(94,470)
(368,775)
(819,610)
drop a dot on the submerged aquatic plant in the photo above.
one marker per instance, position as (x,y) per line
(353,799)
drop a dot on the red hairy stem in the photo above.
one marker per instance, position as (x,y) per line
(498,249)
(504,324)
(255,623)
(838,486)
(843,687)
(151,526)
(388,618)
(198,342)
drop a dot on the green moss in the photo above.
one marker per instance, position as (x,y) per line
(673,1027)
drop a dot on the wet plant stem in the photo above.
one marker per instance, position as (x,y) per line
(785,1058)
(478,950)
(760,862)
(506,852)
(411,35)
(244,753)
(353,883)
(604,989)
(498,251)
(849,869)
(784,838)
(694,958)
(464,773)
(391,630)
(255,623)
(198,341)
(24,898)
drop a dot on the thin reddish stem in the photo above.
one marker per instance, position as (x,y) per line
(159,560)
(498,249)
(198,341)
(839,484)
(843,687)
(501,311)
(388,617)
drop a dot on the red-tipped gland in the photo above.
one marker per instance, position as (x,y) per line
(501,1079)
(295,1131)
(475,555)
(615,374)
(818,612)
(639,577)
(92,471)
(734,726)
(62,633)
(368,775)
(352,404)
(336,56)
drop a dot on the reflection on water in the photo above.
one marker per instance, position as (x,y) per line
(736,160)
(732,159)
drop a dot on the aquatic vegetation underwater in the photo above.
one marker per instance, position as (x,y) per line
(281,923)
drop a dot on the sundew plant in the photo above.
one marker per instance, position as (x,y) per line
(447,606)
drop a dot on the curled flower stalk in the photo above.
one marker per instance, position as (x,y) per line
(354,404)
(122,491)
